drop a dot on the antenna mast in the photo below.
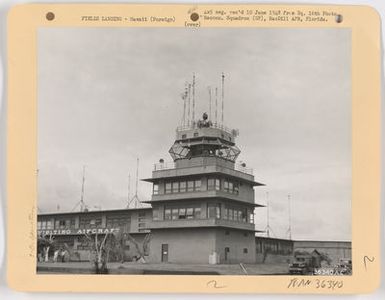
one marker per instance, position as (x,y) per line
(193,98)
(135,199)
(184,97)
(209,88)
(216,105)
(289,229)
(82,206)
(223,95)
(189,104)
(268,215)
(128,189)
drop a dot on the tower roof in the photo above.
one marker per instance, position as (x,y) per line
(204,138)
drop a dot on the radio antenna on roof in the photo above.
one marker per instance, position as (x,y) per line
(289,208)
(216,105)
(128,189)
(135,200)
(82,206)
(193,98)
(184,98)
(223,96)
(189,105)
(209,89)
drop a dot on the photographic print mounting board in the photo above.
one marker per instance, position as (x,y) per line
(24,23)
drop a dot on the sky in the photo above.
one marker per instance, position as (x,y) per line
(107,96)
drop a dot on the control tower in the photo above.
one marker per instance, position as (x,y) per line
(203,201)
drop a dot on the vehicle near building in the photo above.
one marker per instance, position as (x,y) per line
(344,267)
(305,263)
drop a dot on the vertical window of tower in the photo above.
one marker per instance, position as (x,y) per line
(155,214)
(198,185)
(214,211)
(213,184)
(175,214)
(190,186)
(155,189)
(251,219)
(167,214)
(168,188)
(183,186)
(175,187)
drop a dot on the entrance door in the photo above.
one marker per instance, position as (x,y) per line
(164,252)
(227,250)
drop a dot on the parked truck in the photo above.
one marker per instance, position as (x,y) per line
(304,264)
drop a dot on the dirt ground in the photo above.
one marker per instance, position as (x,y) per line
(166,268)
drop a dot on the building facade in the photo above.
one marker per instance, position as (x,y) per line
(204,197)
(334,250)
(202,210)
(70,230)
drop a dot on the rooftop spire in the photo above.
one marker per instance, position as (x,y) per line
(193,98)
(223,97)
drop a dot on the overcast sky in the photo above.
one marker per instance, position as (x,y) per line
(109,95)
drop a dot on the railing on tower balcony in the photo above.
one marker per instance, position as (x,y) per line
(194,125)
(242,168)
(164,166)
(171,165)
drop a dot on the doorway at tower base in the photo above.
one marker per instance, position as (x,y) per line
(202,246)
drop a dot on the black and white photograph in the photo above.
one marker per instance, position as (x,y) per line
(194,151)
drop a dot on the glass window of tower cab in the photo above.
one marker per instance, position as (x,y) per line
(203,201)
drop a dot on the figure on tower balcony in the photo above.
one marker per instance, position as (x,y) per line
(204,122)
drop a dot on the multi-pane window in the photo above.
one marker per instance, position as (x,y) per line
(155,214)
(213,184)
(183,186)
(62,224)
(214,211)
(231,187)
(168,188)
(115,220)
(198,185)
(217,184)
(226,214)
(46,225)
(236,188)
(218,211)
(251,219)
(155,189)
(197,212)
(226,185)
(90,222)
(190,186)
(238,214)
(167,214)
(174,213)
(244,215)
(175,187)
(49,224)
(210,184)
(190,213)
(182,213)
(231,215)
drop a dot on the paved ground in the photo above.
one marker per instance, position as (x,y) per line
(169,268)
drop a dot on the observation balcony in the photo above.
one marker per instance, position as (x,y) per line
(169,165)
(196,223)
